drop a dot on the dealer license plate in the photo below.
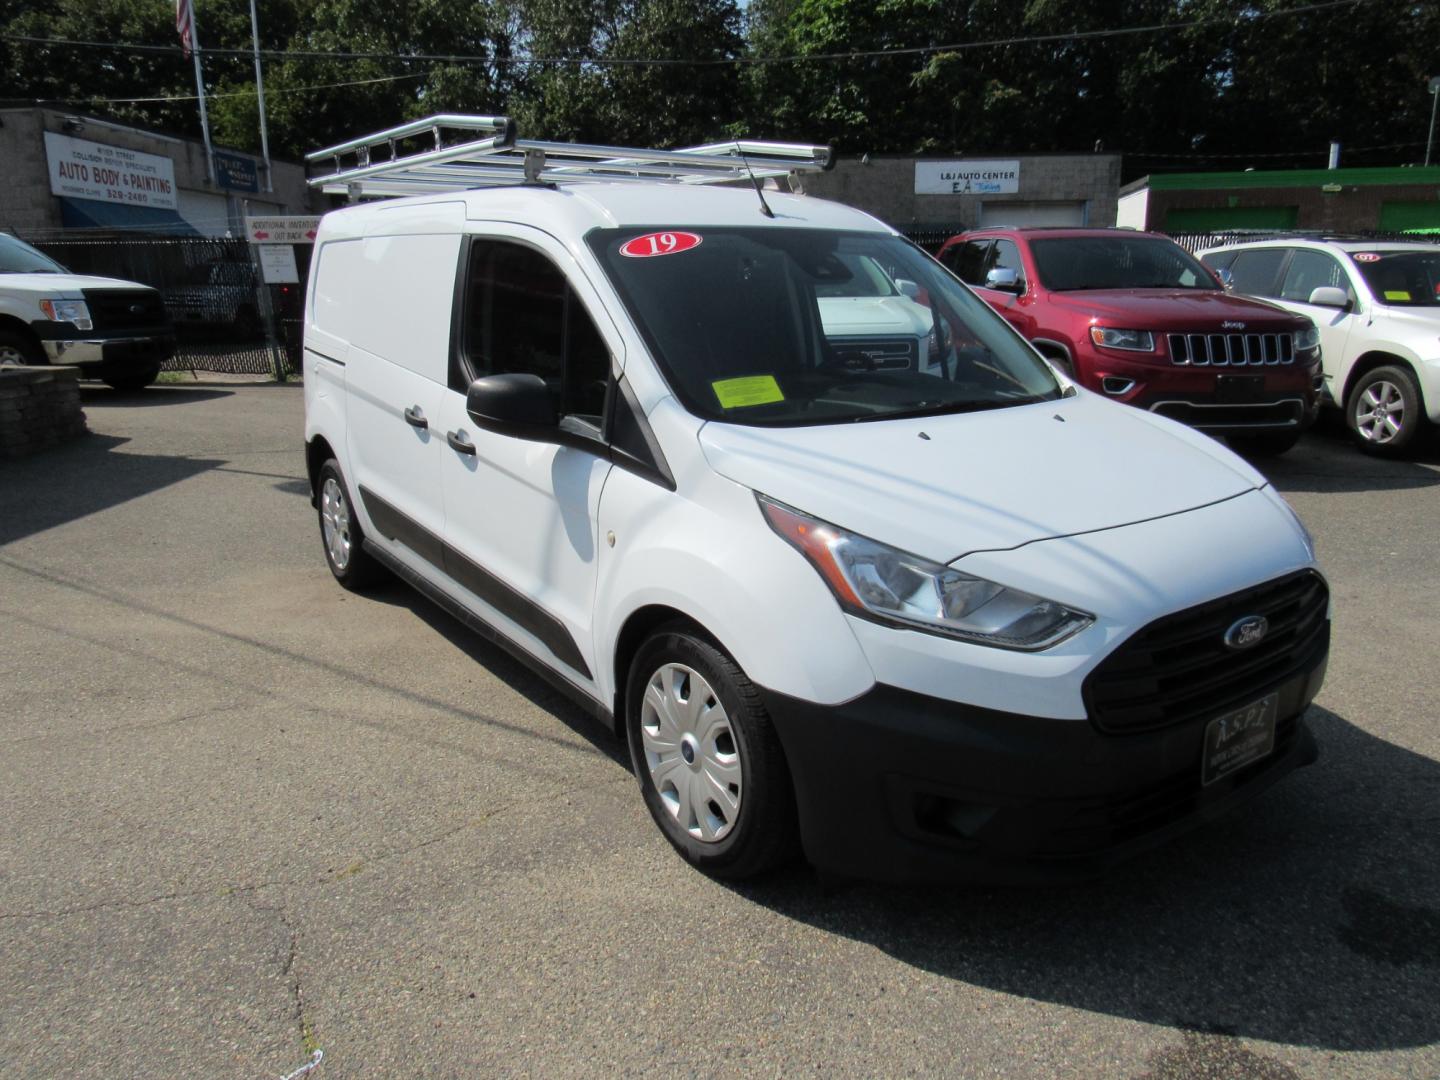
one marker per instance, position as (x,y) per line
(1239,389)
(1239,738)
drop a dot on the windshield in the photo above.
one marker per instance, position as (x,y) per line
(1117,262)
(779,326)
(18,257)
(1402,278)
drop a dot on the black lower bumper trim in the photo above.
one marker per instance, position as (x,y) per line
(895,785)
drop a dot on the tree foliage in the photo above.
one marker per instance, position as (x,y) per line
(1229,87)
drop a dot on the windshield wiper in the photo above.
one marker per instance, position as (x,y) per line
(923,408)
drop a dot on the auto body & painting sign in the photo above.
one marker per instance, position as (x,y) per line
(81,169)
(967,177)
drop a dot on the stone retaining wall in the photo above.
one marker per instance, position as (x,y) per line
(39,407)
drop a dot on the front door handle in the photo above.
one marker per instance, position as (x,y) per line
(460,442)
(415,418)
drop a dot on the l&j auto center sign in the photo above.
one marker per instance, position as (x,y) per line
(967,177)
(81,169)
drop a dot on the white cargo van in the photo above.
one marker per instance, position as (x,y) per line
(951,616)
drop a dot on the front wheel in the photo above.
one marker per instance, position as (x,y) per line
(709,763)
(130,378)
(1384,412)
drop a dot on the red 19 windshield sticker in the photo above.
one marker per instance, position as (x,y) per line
(659,243)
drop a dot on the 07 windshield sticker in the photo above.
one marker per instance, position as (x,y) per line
(1366,257)
(659,243)
(746,391)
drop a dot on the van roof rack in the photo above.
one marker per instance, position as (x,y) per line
(488,154)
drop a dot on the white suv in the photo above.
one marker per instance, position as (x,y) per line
(954,619)
(1377,304)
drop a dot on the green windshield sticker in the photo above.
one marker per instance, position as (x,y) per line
(750,390)
(1396,294)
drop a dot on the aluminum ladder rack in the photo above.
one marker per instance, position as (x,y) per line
(487,154)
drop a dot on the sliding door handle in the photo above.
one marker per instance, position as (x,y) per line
(416,418)
(460,442)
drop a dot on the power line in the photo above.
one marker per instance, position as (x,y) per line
(600,61)
(212,96)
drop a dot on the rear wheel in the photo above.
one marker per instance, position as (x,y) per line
(352,565)
(1265,443)
(710,766)
(1384,412)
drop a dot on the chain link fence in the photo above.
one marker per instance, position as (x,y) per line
(225,319)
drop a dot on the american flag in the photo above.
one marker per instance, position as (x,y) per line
(182,24)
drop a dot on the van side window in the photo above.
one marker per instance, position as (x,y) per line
(521,315)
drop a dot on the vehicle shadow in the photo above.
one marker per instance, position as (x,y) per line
(1327,460)
(504,667)
(150,397)
(1312,917)
(79,478)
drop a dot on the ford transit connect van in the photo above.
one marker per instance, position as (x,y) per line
(932,614)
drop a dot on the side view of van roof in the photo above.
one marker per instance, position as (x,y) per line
(766,489)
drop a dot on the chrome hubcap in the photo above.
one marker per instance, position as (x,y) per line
(1380,412)
(691,752)
(335,523)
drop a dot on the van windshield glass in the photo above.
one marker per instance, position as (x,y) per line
(780,326)
(1117,262)
(18,257)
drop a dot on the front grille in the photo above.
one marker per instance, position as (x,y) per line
(1232,349)
(875,354)
(124,309)
(1179,668)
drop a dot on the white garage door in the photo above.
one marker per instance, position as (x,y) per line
(1032,213)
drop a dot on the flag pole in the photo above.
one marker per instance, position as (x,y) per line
(260,94)
(200,90)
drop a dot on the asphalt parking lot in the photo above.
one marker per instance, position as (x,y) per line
(246,814)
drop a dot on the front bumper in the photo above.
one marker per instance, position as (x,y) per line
(897,785)
(1207,396)
(122,350)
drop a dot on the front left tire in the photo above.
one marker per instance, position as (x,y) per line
(344,540)
(709,763)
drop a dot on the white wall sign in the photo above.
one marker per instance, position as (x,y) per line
(277,264)
(967,177)
(81,169)
(281,230)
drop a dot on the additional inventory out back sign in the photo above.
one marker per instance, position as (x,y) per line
(81,169)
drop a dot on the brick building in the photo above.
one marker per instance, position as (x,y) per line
(61,172)
(1396,199)
(915,194)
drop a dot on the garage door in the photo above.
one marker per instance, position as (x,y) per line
(1032,213)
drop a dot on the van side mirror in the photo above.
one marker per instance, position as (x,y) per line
(517,404)
(1004,279)
(1330,296)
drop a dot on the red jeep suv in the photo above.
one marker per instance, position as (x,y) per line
(1133,316)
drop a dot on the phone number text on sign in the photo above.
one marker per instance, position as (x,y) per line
(661,243)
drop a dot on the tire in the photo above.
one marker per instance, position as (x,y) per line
(340,533)
(16,348)
(734,751)
(1265,443)
(131,379)
(1384,411)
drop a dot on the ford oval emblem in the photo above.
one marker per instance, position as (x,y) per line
(1246,632)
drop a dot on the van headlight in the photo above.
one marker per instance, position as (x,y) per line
(888,585)
(71,311)
(1307,339)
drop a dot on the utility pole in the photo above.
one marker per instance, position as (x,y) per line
(193,44)
(1434,100)
(260,95)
